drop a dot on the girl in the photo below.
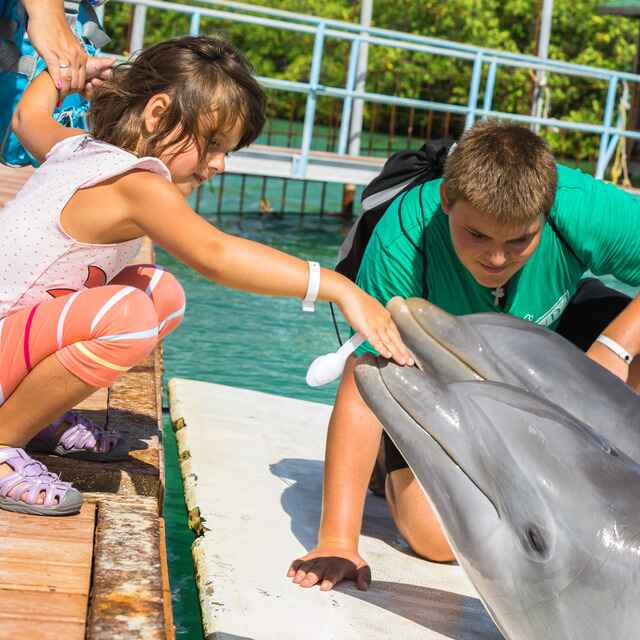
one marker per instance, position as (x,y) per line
(72,315)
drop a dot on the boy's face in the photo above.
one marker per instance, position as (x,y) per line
(490,251)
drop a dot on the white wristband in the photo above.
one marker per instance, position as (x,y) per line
(615,347)
(312,288)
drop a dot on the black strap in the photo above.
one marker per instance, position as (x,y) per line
(402,228)
(563,240)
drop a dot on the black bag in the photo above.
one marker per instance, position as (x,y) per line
(401,172)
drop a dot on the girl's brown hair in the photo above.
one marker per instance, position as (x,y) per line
(504,170)
(210,86)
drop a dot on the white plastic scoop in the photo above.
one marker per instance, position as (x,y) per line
(327,368)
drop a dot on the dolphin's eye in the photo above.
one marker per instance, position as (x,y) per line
(535,540)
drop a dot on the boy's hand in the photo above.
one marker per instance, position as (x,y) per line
(327,566)
(366,315)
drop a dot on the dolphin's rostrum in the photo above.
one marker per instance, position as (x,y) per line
(528,452)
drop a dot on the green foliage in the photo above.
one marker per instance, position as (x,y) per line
(579,36)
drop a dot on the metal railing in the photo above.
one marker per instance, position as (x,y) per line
(484,63)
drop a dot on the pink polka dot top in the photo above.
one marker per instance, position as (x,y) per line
(39,259)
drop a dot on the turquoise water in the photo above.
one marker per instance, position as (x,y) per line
(239,339)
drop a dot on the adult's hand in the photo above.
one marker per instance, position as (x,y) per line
(52,37)
(327,566)
(97,71)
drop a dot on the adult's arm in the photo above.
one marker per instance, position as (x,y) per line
(52,37)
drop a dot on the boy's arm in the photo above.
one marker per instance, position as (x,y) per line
(625,330)
(602,222)
(352,444)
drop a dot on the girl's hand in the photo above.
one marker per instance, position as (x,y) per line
(366,315)
(57,44)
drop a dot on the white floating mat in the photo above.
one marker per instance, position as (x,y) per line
(252,468)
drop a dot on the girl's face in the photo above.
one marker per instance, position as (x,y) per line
(490,251)
(189,171)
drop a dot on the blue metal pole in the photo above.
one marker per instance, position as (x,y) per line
(488,90)
(474,89)
(300,168)
(194,27)
(604,136)
(348,101)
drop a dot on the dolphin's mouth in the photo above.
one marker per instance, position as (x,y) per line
(385,381)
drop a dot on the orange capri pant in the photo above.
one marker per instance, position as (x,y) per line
(96,333)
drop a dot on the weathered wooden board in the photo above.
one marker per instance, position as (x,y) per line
(11,180)
(45,573)
(127,593)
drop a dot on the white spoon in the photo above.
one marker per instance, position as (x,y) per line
(327,368)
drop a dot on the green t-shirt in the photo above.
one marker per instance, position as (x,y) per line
(600,222)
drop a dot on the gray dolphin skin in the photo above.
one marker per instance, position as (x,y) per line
(528,452)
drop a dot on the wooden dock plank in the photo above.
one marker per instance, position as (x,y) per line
(127,594)
(45,573)
(60,605)
(12,628)
(11,180)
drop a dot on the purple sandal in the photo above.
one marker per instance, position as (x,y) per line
(83,440)
(32,477)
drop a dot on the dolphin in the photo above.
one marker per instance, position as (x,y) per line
(529,454)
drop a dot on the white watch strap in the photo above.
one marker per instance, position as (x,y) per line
(615,347)
(312,288)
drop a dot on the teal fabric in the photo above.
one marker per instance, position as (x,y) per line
(599,221)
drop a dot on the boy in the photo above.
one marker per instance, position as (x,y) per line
(506,229)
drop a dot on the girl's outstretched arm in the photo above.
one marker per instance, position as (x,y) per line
(32,120)
(160,211)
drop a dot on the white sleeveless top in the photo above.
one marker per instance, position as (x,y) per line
(38,259)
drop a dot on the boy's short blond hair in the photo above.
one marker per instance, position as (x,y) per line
(504,170)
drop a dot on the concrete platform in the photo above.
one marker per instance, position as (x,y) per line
(252,468)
